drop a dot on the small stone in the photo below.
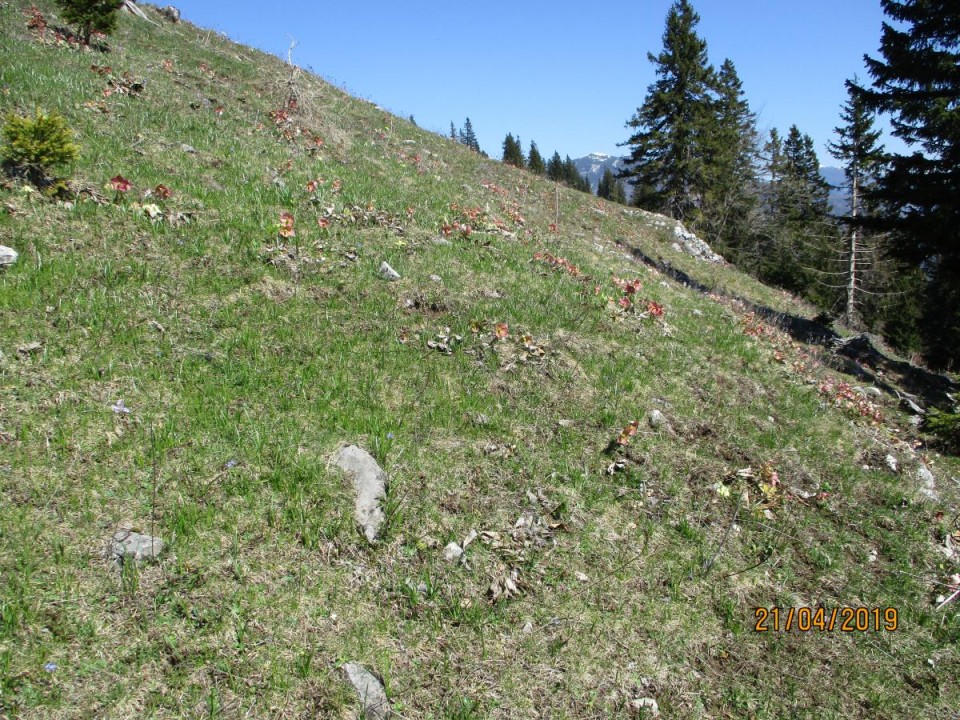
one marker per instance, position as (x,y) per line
(873,392)
(647,706)
(471,536)
(908,403)
(656,419)
(437,279)
(171,13)
(891,462)
(8,256)
(129,545)
(929,488)
(388,272)
(452,552)
(440,241)
(527,627)
(581,577)
(188,148)
(481,420)
(373,698)
(30,348)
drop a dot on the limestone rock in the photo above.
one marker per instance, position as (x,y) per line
(452,552)
(373,698)
(928,487)
(128,545)
(686,241)
(171,13)
(891,462)
(644,707)
(657,420)
(8,256)
(369,486)
(388,272)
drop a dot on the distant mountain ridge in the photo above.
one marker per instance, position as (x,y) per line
(595,164)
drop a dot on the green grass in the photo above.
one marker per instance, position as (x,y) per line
(246,362)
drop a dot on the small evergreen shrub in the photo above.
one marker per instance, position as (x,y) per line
(91,16)
(33,146)
(946,426)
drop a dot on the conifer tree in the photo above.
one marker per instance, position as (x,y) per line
(555,167)
(917,82)
(467,136)
(610,188)
(731,195)
(453,132)
(617,193)
(668,159)
(604,187)
(512,152)
(862,160)
(91,16)
(795,239)
(535,160)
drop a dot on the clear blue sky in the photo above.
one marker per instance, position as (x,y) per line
(565,74)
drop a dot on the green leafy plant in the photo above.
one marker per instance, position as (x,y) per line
(946,426)
(33,146)
(91,16)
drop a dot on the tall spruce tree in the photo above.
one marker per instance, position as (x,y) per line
(668,161)
(91,16)
(610,188)
(916,81)
(468,137)
(862,160)
(453,132)
(605,186)
(731,194)
(796,238)
(535,160)
(555,167)
(512,152)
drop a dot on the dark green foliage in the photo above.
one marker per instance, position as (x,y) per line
(917,82)
(796,239)
(732,191)
(34,146)
(535,160)
(946,426)
(468,137)
(512,152)
(565,171)
(668,163)
(91,16)
(555,167)
(453,131)
(610,188)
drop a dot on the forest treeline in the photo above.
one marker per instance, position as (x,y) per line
(888,263)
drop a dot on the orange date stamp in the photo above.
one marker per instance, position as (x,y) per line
(821,619)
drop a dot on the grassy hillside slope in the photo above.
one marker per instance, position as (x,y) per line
(492,382)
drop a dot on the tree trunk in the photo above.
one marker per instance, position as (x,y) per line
(850,315)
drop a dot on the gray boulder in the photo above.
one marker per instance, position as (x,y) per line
(373,698)
(8,256)
(369,487)
(130,546)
